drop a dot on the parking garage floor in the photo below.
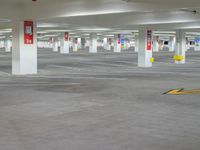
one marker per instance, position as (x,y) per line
(103,101)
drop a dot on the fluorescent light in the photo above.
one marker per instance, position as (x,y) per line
(47,25)
(53,35)
(72,33)
(92,29)
(52,31)
(164,32)
(193,33)
(109,35)
(6,31)
(4,20)
(41,32)
(2,37)
(92,13)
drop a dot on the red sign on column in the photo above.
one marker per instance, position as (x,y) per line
(28,32)
(149,40)
(66,36)
(119,39)
(76,41)
(157,38)
(110,41)
(51,40)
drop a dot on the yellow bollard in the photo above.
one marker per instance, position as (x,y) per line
(152,60)
(178,58)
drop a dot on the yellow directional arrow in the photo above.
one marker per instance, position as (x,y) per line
(183,92)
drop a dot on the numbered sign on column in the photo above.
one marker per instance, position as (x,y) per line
(149,40)
(66,36)
(110,41)
(119,39)
(28,32)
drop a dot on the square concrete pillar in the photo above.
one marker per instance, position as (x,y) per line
(55,44)
(172,43)
(24,53)
(145,48)
(64,43)
(117,43)
(93,43)
(155,43)
(105,44)
(180,47)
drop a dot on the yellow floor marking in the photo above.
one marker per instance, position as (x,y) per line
(183,92)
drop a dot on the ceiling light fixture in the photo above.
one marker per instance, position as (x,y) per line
(126,0)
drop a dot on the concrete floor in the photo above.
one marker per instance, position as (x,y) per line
(100,102)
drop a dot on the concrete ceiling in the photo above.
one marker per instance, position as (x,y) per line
(103,15)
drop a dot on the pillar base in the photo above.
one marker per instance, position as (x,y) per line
(180,62)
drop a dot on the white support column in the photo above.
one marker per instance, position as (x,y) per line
(83,43)
(180,46)
(109,44)
(55,44)
(155,44)
(75,45)
(117,43)
(172,43)
(126,44)
(24,53)
(51,42)
(105,44)
(136,43)
(64,43)
(145,48)
(187,44)
(8,44)
(197,44)
(93,43)
(87,43)
(79,43)
(2,44)
(161,45)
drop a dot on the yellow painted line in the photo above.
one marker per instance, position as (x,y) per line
(183,92)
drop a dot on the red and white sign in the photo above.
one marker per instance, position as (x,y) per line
(51,40)
(157,38)
(119,39)
(28,32)
(66,36)
(110,41)
(149,40)
(76,41)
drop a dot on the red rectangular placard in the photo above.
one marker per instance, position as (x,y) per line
(28,32)
(66,36)
(119,38)
(110,41)
(149,40)
(76,41)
